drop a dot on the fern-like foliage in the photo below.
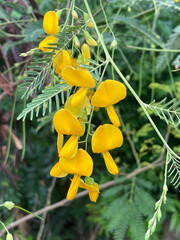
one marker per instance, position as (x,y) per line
(169,112)
(44,100)
(172,43)
(126,214)
(174,170)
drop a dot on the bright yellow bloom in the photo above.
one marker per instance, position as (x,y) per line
(80,78)
(50,25)
(44,44)
(80,165)
(93,190)
(66,123)
(61,60)
(105,138)
(109,93)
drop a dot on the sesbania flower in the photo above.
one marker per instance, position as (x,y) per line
(61,60)
(80,78)
(85,50)
(80,165)
(109,93)
(51,26)
(66,123)
(105,138)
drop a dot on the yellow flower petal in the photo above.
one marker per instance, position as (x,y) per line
(61,60)
(44,44)
(69,149)
(73,187)
(78,97)
(56,171)
(66,123)
(93,190)
(81,164)
(108,93)
(86,53)
(113,116)
(106,137)
(50,23)
(60,140)
(77,77)
(77,109)
(110,163)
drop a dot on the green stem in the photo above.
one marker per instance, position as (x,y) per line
(4,227)
(24,132)
(88,130)
(28,211)
(10,127)
(153,75)
(141,103)
(154,49)
(112,68)
(140,73)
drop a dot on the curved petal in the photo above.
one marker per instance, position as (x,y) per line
(110,163)
(77,77)
(86,53)
(50,23)
(106,137)
(78,97)
(61,60)
(66,123)
(44,44)
(60,139)
(73,187)
(81,164)
(113,116)
(108,93)
(69,149)
(56,171)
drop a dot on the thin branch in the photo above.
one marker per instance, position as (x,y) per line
(48,200)
(66,202)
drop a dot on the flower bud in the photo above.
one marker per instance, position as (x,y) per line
(89,180)
(59,13)
(129,9)
(87,19)
(153,227)
(74,14)
(89,39)
(148,233)
(150,223)
(159,215)
(76,41)
(8,204)
(113,44)
(9,236)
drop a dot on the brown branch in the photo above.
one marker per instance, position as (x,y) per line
(98,11)
(66,202)
(7,64)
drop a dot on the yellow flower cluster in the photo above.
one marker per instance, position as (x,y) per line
(71,119)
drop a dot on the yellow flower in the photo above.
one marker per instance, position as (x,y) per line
(80,165)
(50,25)
(80,78)
(93,189)
(105,138)
(61,60)
(87,19)
(66,123)
(109,93)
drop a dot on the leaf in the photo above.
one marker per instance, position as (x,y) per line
(33,31)
(138,26)
(46,95)
(172,43)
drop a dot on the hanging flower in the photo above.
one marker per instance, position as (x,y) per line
(66,123)
(80,165)
(109,93)
(61,60)
(51,26)
(105,138)
(93,189)
(80,78)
